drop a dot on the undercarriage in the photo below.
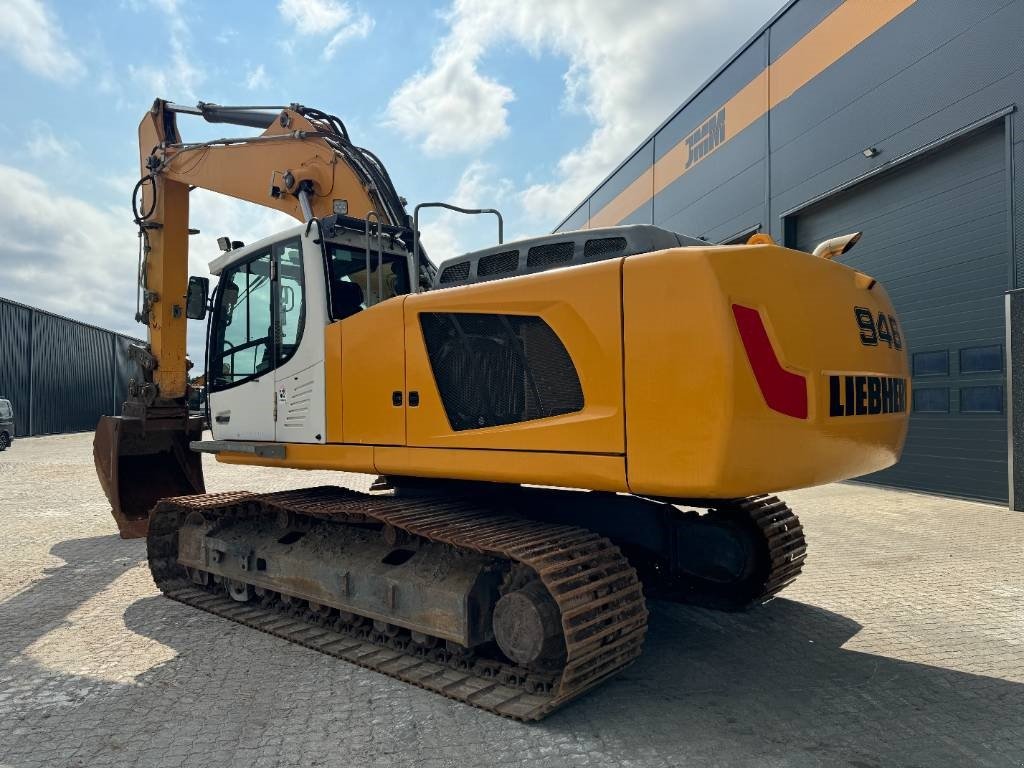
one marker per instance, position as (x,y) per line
(514,601)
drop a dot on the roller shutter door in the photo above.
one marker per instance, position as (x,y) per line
(935,233)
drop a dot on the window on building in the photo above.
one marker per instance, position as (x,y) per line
(934,400)
(981,399)
(931,363)
(981,359)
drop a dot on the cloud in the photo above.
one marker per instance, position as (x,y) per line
(336,18)
(477,187)
(30,33)
(452,108)
(446,234)
(44,145)
(182,77)
(86,270)
(629,65)
(256,79)
(359,29)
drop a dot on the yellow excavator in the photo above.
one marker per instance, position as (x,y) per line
(559,426)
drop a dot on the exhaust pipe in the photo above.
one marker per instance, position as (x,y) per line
(837,246)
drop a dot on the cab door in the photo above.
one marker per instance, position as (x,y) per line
(241,356)
(301,313)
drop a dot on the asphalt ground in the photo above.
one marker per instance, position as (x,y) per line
(902,644)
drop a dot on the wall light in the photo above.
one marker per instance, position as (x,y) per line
(870,152)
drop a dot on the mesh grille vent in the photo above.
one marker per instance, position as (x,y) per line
(549,254)
(603,246)
(498,263)
(499,369)
(455,273)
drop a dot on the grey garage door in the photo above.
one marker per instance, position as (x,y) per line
(935,233)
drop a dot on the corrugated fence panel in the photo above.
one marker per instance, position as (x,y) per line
(72,375)
(15,355)
(124,370)
(59,374)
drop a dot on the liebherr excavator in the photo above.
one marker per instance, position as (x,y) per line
(560,425)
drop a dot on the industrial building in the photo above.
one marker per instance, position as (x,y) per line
(60,375)
(898,118)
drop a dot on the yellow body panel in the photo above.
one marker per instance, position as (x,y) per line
(697,422)
(603,473)
(373,368)
(571,470)
(672,403)
(583,306)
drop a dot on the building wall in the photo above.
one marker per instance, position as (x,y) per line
(802,100)
(59,374)
(780,131)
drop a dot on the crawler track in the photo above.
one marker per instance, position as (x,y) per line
(778,552)
(598,594)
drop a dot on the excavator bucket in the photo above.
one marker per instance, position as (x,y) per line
(140,461)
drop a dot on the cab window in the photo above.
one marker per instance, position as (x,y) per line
(241,336)
(352,288)
(259,315)
(291,312)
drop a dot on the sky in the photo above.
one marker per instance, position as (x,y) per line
(524,106)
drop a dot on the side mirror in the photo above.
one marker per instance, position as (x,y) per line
(198,297)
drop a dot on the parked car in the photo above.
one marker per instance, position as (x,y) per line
(6,424)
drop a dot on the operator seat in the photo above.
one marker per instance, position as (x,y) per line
(346,299)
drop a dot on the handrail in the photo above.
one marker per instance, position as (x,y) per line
(380,262)
(414,257)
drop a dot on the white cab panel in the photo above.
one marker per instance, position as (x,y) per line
(245,412)
(267,371)
(300,406)
(301,413)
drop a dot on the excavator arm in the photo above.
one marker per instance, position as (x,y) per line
(303,164)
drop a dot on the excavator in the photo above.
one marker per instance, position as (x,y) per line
(560,427)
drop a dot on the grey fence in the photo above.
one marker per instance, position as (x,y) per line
(59,374)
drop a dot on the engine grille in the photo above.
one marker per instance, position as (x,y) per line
(499,369)
(603,246)
(550,254)
(497,263)
(455,273)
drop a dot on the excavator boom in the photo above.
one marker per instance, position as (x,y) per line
(303,164)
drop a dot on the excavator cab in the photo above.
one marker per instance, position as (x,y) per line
(265,341)
(266,353)
(265,357)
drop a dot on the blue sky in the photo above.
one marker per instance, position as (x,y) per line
(523,106)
